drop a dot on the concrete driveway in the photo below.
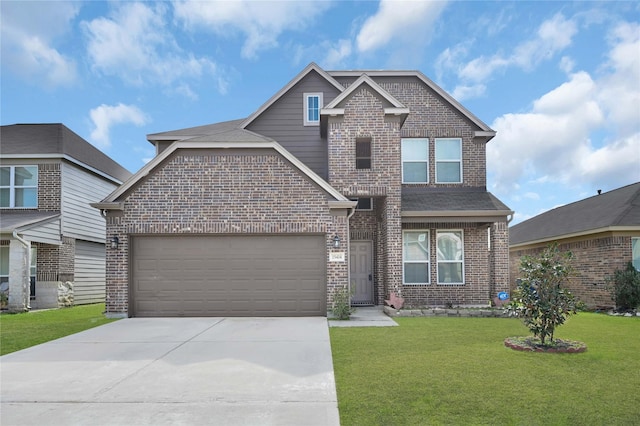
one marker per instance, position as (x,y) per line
(176,371)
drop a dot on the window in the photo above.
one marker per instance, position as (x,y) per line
(18,186)
(4,269)
(450,257)
(635,253)
(364,203)
(363,153)
(415,160)
(415,257)
(449,160)
(312,107)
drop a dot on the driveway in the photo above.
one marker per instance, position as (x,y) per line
(173,371)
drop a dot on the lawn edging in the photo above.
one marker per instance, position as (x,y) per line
(447,312)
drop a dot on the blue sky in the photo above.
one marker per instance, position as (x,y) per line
(559,81)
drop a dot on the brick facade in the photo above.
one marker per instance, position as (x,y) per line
(208,192)
(49,187)
(595,260)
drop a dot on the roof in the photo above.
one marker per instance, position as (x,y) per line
(20,219)
(191,132)
(462,204)
(57,141)
(234,139)
(619,208)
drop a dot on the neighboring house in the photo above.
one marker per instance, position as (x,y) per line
(52,243)
(602,232)
(368,180)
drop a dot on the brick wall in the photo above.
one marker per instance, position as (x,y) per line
(49,185)
(595,260)
(208,192)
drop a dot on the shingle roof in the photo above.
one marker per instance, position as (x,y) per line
(190,132)
(450,199)
(46,139)
(620,207)
(11,220)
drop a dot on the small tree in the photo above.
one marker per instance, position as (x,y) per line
(626,288)
(540,299)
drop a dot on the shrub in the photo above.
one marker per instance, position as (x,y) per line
(626,288)
(540,299)
(341,306)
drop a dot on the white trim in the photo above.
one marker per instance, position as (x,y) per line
(305,108)
(461,231)
(415,161)
(12,186)
(62,157)
(398,108)
(436,161)
(428,262)
(188,144)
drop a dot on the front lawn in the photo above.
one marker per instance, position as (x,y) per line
(20,331)
(458,371)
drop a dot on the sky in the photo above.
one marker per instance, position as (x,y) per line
(559,81)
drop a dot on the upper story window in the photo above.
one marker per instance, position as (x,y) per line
(363,153)
(415,160)
(19,186)
(449,160)
(312,106)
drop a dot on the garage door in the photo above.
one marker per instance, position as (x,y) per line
(228,276)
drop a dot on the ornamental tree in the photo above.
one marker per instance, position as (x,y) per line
(540,298)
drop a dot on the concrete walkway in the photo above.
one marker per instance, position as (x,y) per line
(366,316)
(176,371)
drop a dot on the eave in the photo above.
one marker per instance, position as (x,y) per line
(450,216)
(604,229)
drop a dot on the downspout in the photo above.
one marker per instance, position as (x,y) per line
(27,246)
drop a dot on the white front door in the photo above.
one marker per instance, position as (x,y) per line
(362,272)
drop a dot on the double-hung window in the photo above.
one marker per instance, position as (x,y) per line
(450,257)
(415,257)
(312,107)
(449,160)
(415,160)
(18,186)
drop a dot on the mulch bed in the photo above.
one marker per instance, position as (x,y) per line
(532,344)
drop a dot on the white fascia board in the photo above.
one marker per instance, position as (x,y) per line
(577,235)
(396,111)
(342,204)
(63,157)
(144,171)
(365,79)
(332,111)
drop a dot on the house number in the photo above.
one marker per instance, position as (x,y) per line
(336,257)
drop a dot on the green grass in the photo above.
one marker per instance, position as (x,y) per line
(457,371)
(20,331)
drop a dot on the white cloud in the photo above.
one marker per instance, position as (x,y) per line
(585,131)
(135,44)
(337,53)
(29,31)
(406,20)
(260,22)
(552,36)
(105,117)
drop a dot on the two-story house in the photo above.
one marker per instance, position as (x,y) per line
(52,242)
(371,181)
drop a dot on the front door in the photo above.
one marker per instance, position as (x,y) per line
(362,272)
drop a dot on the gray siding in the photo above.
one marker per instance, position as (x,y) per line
(48,233)
(79,188)
(89,273)
(283,121)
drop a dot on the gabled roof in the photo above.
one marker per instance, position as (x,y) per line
(614,210)
(452,204)
(232,139)
(191,132)
(57,141)
(397,108)
(485,130)
(309,68)
(23,219)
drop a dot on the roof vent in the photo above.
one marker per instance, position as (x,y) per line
(599,191)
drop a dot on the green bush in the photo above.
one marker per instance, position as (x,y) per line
(626,288)
(341,306)
(540,299)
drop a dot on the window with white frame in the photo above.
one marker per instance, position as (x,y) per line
(19,186)
(312,107)
(4,265)
(635,253)
(415,257)
(448,160)
(450,257)
(415,160)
